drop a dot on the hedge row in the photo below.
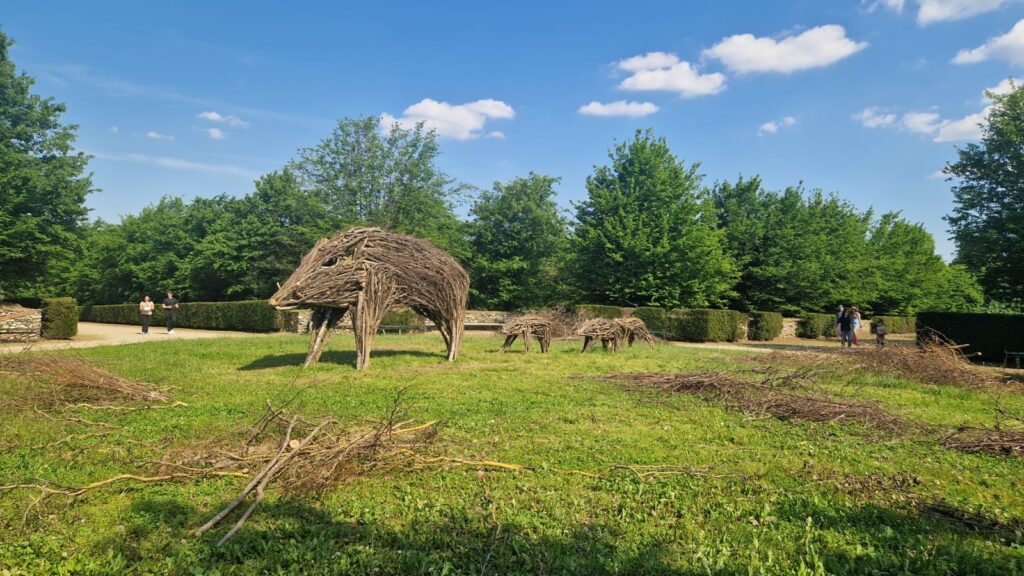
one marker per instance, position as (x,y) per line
(706,325)
(244,316)
(406,318)
(658,320)
(598,311)
(895,324)
(764,326)
(987,336)
(59,318)
(813,325)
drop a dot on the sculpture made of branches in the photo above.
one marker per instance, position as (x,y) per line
(527,326)
(367,271)
(613,332)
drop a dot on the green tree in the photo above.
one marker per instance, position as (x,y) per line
(646,235)
(795,251)
(366,174)
(42,183)
(987,221)
(908,273)
(519,242)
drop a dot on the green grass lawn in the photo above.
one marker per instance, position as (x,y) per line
(775,497)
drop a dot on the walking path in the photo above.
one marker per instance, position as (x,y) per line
(95,334)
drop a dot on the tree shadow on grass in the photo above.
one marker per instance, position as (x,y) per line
(331,357)
(300,535)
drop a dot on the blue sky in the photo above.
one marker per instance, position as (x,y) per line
(867,99)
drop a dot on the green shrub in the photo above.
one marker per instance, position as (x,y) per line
(656,319)
(706,325)
(404,318)
(764,326)
(812,325)
(987,336)
(895,324)
(60,318)
(243,316)
(598,311)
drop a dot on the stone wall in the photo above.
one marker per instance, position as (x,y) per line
(19,324)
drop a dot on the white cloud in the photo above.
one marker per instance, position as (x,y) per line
(216,134)
(774,126)
(874,117)
(1009,47)
(665,72)
(814,48)
(871,6)
(945,130)
(113,129)
(618,108)
(179,164)
(153,134)
(213,116)
(1003,87)
(649,61)
(931,11)
(496,135)
(458,121)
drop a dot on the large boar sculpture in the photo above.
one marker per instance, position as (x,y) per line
(367,271)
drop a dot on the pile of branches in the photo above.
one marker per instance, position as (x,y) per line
(612,333)
(782,396)
(933,362)
(71,379)
(304,457)
(974,440)
(526,326)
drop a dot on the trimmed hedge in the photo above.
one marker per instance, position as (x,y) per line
(406,318)
(896,324)
(764,326)
(60,318)
(706,325)
(599,311)
(658,320)
(986,335)
(243,316)
(812,325)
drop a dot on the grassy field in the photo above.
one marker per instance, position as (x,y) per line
(769,497)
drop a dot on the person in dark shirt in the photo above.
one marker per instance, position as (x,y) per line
(846,329)
(170,311)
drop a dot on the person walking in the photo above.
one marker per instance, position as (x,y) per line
(880,332)
(855,324)
(170,311)
(146,313)
(846,329)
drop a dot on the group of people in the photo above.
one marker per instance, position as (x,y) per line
(170,306)
(848,322)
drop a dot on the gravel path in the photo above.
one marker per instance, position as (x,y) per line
(94,334)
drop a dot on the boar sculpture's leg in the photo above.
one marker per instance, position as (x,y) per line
(508,342)
(321,323)
(374,302)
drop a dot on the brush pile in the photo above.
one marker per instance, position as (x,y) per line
(986,440)
(780,396)
(933,362)
(71,379)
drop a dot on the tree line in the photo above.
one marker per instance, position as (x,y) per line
(650,231)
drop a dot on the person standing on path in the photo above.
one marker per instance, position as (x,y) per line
(846,330)
(855,323)
(146,313)
(170,311)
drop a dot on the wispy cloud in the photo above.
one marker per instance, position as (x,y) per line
(216,134)
(1009,47)
(114,86)
(154,135)
(774,126)
(875,117)
(214,116)
(179,164)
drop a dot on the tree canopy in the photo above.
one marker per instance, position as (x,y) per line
(43,184)
(646,234)
(987,221)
